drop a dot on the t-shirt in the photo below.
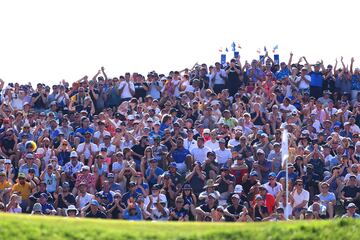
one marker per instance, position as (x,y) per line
(316,79)
(126,91)
(222,156)
(97,214)
(24,190)
(200,154)
(300,197)
(140,90)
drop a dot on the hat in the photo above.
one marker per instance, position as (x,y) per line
(2,173)
(260,151)
(66,185)
(187,187)
(210,183)
(235,196)
(213,195)
(29,155)
(71,208)
(206,131)
(156,186)
(44,195)
(258,197)
(224,168)
(222,140)
(290,165)
(238,189)
(173,164)
(156,123)
(7,161)
(73,154)
(82,183)
(21,175)
(131,117)
(37,207)
(351,205)
(253,173)
(132,184)
(85,168)
(264,135)
(272,174)
(94,202)
(110,175)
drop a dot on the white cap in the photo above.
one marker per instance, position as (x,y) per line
(206,130)
(131,117)
(73,154)
(7,161)
(238,189)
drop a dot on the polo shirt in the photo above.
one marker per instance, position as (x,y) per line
(300,197)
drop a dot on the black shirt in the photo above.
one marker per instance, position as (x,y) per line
(235,211)
(70,199)
(140,92)
(115,213)
(98,214)
(350,191)
(39,103)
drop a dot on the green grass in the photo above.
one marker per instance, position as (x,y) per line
(25,227)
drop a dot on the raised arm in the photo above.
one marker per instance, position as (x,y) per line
(351,66)
(96,75)
(290,60)
(307,64)
(336,62)
(342,62)
(103,72)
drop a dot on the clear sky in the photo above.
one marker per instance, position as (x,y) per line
(47,41)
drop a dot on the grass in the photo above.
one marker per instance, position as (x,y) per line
(25,227)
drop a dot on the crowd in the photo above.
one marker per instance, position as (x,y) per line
(201,144)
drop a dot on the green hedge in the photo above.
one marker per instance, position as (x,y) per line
(25,227)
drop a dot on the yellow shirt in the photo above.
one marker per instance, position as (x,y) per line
(24,190)
(4,185)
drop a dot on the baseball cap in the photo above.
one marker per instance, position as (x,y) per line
(238,189)
(29,155)
(73,154)
(172,164)
(260,151)
(21,175)
(37,207)
(253,173)
(272,174)
(206,131)
(2,173)
(351,205)
(235,196)
(212,195)
(94,202)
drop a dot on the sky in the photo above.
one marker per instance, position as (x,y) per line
(47,41)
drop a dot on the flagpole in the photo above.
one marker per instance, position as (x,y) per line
(285,160)
(287,187)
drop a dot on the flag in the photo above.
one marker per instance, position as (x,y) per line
(239,45)
(233,46)
(265,49)
(226,50)
(284,148)
(223,59)
(275,48)
(258,51)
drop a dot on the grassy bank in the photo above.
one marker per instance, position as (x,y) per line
(26,227)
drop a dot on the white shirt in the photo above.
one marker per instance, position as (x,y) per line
(233,142)
(97,134)
(303,84)
(299,198)
(126,92)
(218,78)
(222,156)
(200,154)
(273,190)
(84,200)
(87,152)
(110,149)
(212,145)
(69,168)
(354,129)
(189,144)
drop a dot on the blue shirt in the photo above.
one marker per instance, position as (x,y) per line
(153,179)
(293,176)
(316,79)
(82,131)
(355,82)
(282,73)
(179,155)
